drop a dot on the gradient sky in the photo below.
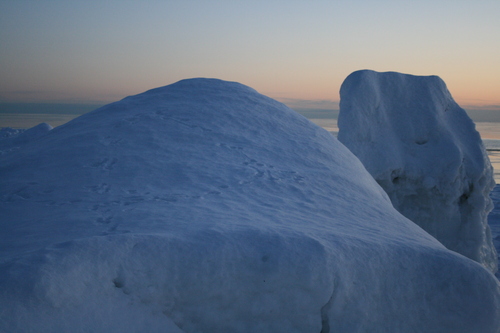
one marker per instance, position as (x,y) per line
(101,51)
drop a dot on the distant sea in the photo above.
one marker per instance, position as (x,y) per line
(27,115)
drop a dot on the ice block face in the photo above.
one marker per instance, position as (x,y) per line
(423,149)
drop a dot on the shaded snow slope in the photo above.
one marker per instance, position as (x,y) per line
(204,206)
(494,221)
(423,149)
(14,138)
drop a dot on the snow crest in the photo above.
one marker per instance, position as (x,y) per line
(423,149)
(204,206)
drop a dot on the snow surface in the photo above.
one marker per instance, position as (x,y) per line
(423,149)
(204,206)
(12,138)
(494,221)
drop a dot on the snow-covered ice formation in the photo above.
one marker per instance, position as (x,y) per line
(494,220)
(12,138)
(204,206)
(423,149)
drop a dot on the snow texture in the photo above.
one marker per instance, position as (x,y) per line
(204,206)
(494,221)
(12,138)
(424,151)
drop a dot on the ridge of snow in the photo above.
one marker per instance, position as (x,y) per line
(12,138)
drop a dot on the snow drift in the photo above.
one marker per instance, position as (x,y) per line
(423,149)
(204,206)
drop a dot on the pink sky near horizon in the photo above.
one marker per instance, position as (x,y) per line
(89,51)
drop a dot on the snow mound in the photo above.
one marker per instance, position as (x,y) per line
(12,139)
(8,132)
(423,149)
(33,133)
(204,206)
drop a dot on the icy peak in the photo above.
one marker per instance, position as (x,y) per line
(423,149)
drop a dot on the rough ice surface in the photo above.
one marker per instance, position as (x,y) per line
(494,221)
(13,138)
(423,149)
(204,206)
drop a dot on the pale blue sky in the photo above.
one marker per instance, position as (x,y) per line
(101,51)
